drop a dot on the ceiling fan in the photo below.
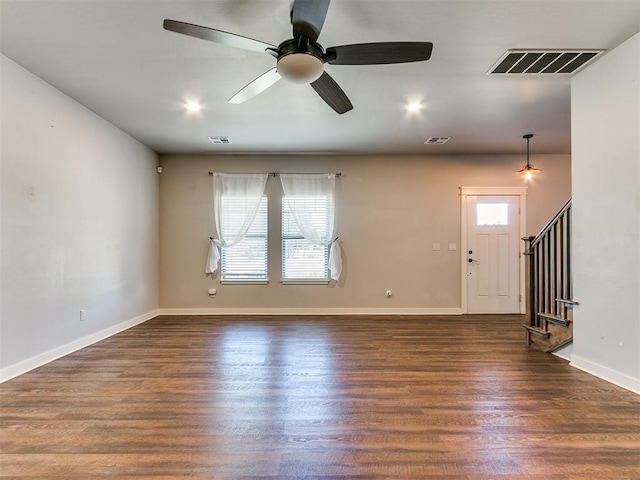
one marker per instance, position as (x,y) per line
(301,59)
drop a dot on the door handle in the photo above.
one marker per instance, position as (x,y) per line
(471,260)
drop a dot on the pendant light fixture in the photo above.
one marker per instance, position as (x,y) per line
(528,171)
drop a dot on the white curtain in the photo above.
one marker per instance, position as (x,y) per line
(245,190)
(315,185)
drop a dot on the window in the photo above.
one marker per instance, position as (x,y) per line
(240,251)
(302,259)
(246,260)
(492,214)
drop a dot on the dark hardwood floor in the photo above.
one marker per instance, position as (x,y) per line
(323,397)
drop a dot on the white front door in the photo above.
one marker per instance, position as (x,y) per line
(491,258)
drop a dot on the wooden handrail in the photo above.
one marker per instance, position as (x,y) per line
(552,222)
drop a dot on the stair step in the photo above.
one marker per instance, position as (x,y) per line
(558,320)
(558,346)
(537,331)
(568,303)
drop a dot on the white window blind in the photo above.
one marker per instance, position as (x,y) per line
(301,259)
(246,260)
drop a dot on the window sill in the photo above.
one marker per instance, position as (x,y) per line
(244,282)
(302,281)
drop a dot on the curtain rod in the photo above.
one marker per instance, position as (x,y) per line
(276,174)
(334,240)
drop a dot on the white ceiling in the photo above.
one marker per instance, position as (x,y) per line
(114,57)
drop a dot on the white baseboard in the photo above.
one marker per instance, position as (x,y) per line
(310,311)
(24,366)
(565,352)
(612,376)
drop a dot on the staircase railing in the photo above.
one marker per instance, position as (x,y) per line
(549,288)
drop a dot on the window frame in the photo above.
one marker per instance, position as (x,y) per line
(264,203)
(283,239)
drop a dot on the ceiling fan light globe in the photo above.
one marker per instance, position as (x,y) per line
(300,67)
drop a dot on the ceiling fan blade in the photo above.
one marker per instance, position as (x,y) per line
(257,86)
(308,17)
(218,36)
(332,94)
(378,53)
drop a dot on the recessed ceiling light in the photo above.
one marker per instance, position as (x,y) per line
(193,106)
(413,107)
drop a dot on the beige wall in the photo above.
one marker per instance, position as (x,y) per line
(391,211)
(79,227)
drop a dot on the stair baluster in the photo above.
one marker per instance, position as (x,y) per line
(548,318)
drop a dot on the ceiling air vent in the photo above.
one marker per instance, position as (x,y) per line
(543,62)
(220,140)
(437,140)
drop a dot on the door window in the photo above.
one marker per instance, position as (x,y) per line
(492,214)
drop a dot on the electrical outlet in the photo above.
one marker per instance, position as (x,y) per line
(83,315)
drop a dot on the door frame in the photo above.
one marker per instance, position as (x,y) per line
(493,192)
